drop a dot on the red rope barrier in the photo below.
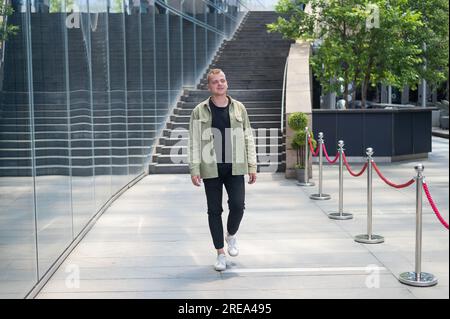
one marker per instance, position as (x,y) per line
(326,155)
(350,170)
(408,183)
(312,148)
(433,205)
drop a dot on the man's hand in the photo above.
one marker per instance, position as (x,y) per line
(196,180)
(251,178)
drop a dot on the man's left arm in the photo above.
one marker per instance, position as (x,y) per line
(250,147)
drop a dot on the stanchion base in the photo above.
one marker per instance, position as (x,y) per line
(305,184)
(365,239)
(340,216)
(320,196)
(411,278)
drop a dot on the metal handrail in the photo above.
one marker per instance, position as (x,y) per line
(3,25)
(283,96)
(189,18)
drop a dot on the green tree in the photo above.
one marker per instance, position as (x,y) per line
(361,42)
(6,30)
(57,5)
(118,5)
(434,34)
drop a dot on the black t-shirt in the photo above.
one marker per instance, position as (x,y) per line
(221,122)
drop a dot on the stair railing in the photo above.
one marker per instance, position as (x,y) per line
(283,96)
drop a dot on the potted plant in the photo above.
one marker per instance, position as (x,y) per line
(298,121)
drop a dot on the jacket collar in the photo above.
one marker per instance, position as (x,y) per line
(233,104)
(206,102)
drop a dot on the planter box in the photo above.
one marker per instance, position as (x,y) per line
(398,133)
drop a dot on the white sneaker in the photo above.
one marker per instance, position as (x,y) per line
(233,251)
(221,263)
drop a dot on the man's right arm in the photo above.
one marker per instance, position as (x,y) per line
(194,143)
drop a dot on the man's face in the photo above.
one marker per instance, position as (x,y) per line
(218,84)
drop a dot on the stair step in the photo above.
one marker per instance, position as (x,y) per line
(274,138)
(250,41)
(233,75)
(252,74)
(254,81)
(167,150)
(255,125)
(253,118)
(262,61)
(249,105)
(155,168)
(251,111)
(263,48)
(245,52)
(250,86)
(238,66)
(240,95)
(255,52)
(182,159)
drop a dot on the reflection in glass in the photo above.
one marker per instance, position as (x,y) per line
(87,87)
(119,100)
(80,87)
(175,56)
(147,42)
(18,263)
(52,164)
(101,102)
(133,50)
(162,66)
(188,53)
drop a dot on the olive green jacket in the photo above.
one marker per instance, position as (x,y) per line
(201,153)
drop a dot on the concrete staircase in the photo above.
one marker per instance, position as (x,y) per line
(81,130)
(253,61)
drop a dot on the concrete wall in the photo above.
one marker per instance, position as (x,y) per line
(298,95)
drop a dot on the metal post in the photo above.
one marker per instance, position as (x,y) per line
(424,82)
(418,278)
(389,94)
(423,102)
(320,196)
(369,238)
(340,215)
(306,170)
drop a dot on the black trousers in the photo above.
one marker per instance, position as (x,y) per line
(235,186)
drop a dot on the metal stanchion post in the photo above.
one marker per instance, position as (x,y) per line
(369,238)
(340,215)
(320,196)
(306,180)
(418,278)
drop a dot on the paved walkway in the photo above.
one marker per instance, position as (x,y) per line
(154,241)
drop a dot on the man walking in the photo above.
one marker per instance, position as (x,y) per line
(221,151)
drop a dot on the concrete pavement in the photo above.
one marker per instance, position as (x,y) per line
(154,241)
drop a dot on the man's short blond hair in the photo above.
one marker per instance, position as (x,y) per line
(214,72)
